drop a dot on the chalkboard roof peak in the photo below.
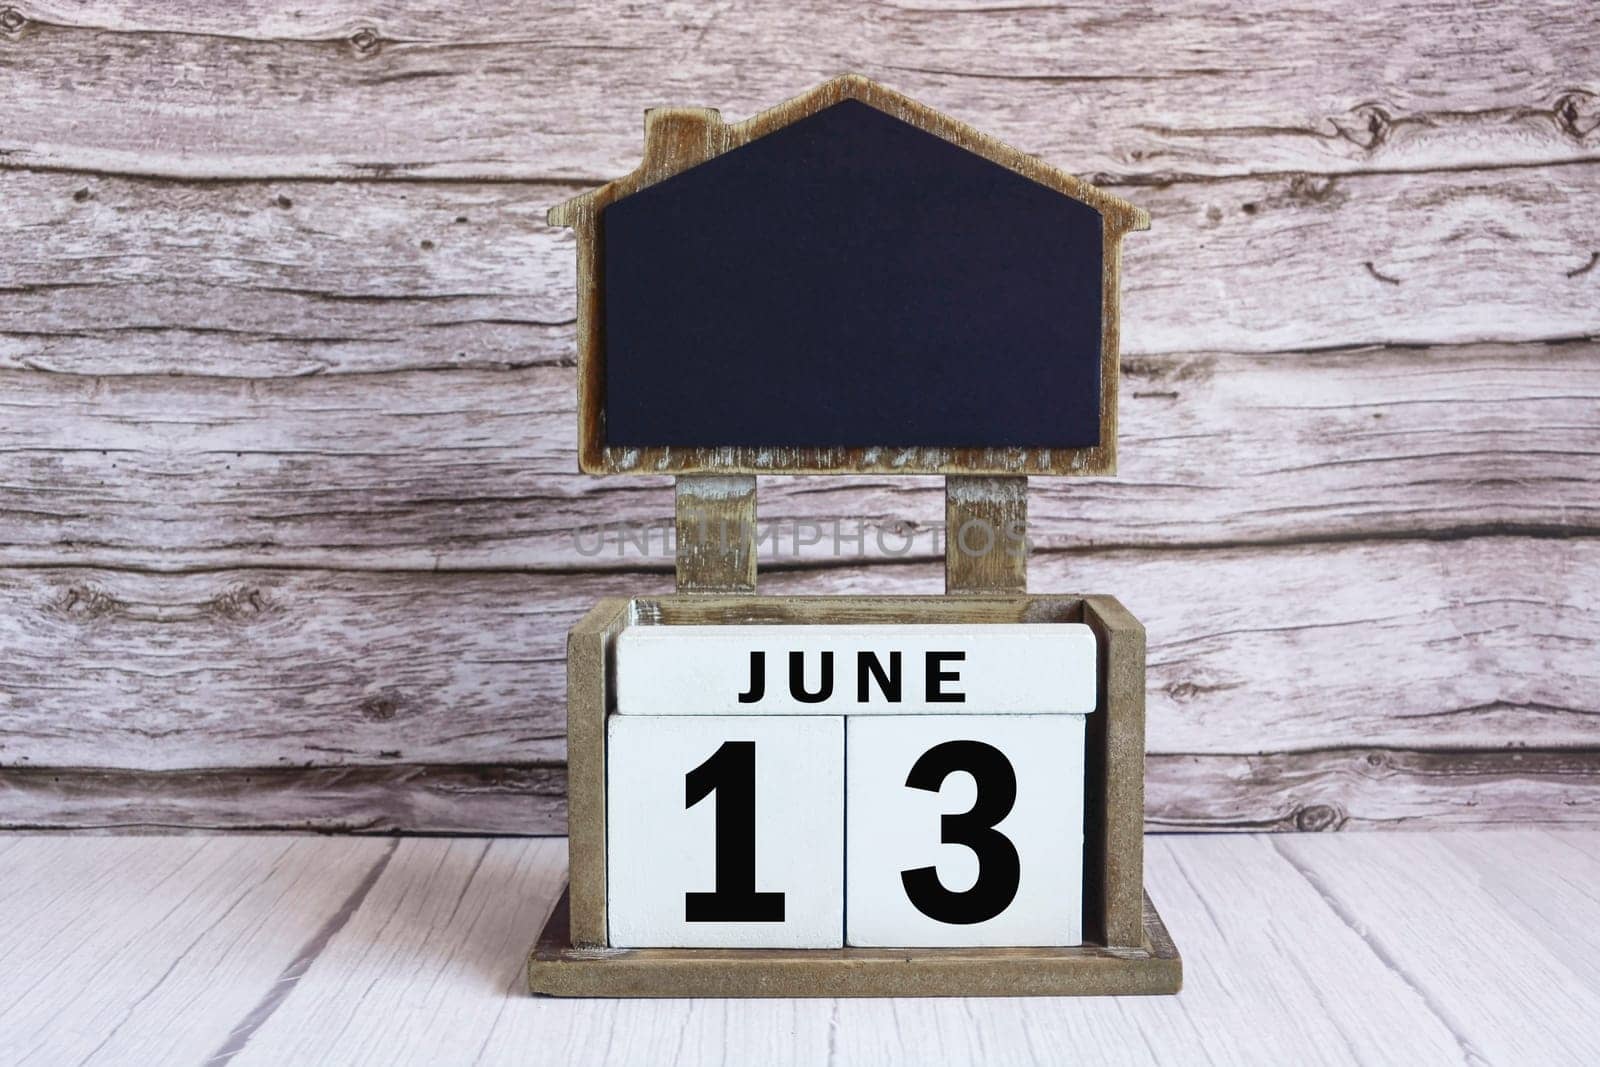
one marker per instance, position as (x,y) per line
(679,138)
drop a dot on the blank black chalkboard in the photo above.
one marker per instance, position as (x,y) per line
(851,281)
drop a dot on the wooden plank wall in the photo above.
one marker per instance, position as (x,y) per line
(287,485)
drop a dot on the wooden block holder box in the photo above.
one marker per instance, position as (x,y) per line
(1125,948)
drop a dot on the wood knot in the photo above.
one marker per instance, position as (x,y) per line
(241,602)
(84,602)
(284,202)
(1309,189)
(1168,369)
(12,20)
(366,41)
(1576,114)
(381,707)
(81,195)
(1315,818)
(1367,127)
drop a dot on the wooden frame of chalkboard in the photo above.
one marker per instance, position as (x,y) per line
(679,139)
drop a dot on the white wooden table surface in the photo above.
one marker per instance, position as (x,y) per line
(1341,948)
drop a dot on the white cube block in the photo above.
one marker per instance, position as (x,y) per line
(984,846)
(725,831)
(859,669)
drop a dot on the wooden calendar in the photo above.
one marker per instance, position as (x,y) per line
(851,796)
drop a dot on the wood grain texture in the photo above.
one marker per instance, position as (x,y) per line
(1247,913)
(1404,643)
(247,411)
(985,534)
(475,469)
(274,278)
(495,798)
(1411,645)
(715,523)
(1537,879)
(1390,897)
(1114,777)
(1315,790)
(153,949)
(589,699)
(1361,788)
(443,933)
(558,968)
(393,90)
(1336,950)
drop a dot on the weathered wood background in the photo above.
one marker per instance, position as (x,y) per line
(287,423)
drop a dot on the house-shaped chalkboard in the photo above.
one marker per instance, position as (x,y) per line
(849,282)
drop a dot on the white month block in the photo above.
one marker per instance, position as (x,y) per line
(964,830)
(857,670)
(725,831)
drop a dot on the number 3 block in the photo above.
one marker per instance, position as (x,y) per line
(965,830)
(725,831)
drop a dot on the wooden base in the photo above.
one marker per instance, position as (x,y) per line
(557,969)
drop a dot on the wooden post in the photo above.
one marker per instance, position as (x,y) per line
(588,698)
(985,526)
(716,530)
(1114,778)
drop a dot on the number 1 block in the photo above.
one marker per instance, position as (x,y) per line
(965,830)
(725,831)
